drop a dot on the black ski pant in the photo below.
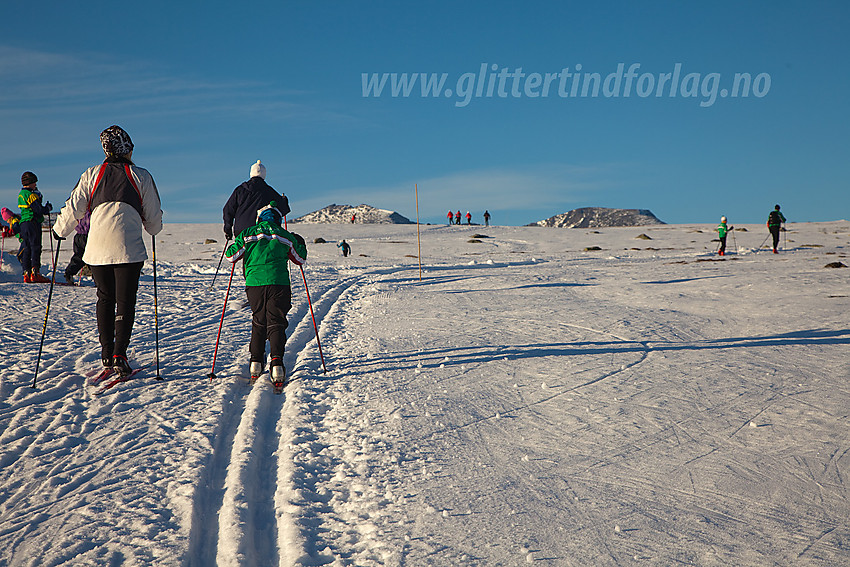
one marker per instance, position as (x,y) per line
(774,232)
(722,245)
(117,286)
(269,304)
(30,254)
(76,264)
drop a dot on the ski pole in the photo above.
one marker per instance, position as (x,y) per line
(46,311)
(2,250)
(211,375)
(310,303)
(51,241)
(315,328)
(219,264)
(762,242)
(734,241)
(155,308)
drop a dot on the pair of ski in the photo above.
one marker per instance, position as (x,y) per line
(108,378)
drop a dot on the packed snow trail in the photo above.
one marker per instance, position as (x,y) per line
(526,402)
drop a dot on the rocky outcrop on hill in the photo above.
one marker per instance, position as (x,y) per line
(599,217)
(363,214)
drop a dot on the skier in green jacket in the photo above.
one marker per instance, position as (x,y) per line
(32,215)
(267,249)
(722,231)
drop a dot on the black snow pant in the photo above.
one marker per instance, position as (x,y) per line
(30,254)
(76,264)
(722,250)
(117,286)
(774,232)
(269,304)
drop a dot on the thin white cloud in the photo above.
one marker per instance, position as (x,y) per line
(53,99)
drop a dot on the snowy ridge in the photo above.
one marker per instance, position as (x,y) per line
(363,214)
(538,397)
(599,217)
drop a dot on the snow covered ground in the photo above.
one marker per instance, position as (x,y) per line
(524,401)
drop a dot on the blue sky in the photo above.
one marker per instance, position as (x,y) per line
(207,88)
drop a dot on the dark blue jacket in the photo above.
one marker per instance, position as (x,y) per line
(240,211)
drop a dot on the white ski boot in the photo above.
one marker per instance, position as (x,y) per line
(256,370)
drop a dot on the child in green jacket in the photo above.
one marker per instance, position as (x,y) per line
(32,215)
(267,249)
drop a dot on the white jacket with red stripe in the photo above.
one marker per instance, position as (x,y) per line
(115,235)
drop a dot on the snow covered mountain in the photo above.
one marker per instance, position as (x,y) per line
(363,214)
(599,217)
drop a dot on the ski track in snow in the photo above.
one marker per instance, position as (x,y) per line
(628,418)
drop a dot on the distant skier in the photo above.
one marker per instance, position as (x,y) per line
(240,211)
(267,249)
(32,215)
(722,231)
(13,220)
(14,229)
(774,225)
(457,218)
(486,218)
(353,217)
(468,218)
(346,249)
(451,217)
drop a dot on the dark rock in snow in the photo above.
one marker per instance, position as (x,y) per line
(597,217)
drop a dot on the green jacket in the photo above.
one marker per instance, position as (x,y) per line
(722,229)
(29,202)
(267,249)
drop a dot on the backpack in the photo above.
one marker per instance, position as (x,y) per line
(774,219)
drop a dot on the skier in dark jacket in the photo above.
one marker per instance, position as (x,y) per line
(240,211)
(346,248)
(774,225)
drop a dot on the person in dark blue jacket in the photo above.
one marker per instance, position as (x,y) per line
(240,211)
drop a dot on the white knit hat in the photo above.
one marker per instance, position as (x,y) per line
(258,170)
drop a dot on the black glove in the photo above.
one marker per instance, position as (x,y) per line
(228,233)
(56,236)
(48,207)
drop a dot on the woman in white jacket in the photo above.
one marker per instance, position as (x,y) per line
(122,199)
